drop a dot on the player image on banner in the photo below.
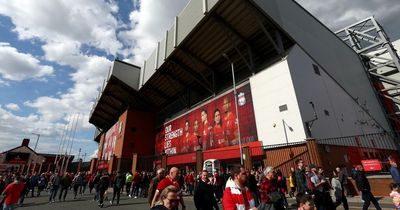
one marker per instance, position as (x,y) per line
(187,139)
(217,137)
(205,129)
(196,135)
(230,125)
(210,126)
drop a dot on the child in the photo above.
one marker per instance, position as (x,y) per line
(395,195)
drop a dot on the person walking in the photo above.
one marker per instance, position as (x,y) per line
(104,183)
(119,182)
(204,194)
(84,183)
(54,185)
(322,188)
(65,184)
(338,191)
(42,183)
(34,179)
(95,183)
(237,196)
(270,196)
(394,170)
(300,177)
(128,183)
(27,185)
(292,182)
(77,183)
(252,185)
(153,184)
(12,193)
(365,188)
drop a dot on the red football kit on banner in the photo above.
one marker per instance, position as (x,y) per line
(218,137)
(230,128)
(206,135)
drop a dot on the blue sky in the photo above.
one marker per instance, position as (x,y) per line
(54,55)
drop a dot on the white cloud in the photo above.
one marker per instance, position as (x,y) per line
(148,26)
(348,12)
(63,28)
(4,83)
(94,154)
(20,66)
(13,107)
(89,21)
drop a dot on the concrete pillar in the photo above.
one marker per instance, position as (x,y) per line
(40,168)
(199,160)
(49,167)
(164,161)
(119,162)
(134,162)
(315,156)
(78,169)
(93,165)
(248,164)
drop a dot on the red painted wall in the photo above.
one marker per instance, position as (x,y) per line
(138,134)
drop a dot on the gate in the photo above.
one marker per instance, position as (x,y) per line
(148,163)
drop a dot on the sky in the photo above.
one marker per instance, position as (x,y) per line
(54,56)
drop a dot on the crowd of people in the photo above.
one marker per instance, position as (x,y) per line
(235,189)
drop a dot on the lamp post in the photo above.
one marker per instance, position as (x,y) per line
(284,129)
(287,140)
(236,106)
(37,140)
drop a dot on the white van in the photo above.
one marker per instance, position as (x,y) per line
(211,166)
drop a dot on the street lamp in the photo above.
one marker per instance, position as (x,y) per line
(236,106)
(287,141)
(37,140)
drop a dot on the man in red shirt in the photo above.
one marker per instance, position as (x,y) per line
(171,179)
(12,193)
(237,196)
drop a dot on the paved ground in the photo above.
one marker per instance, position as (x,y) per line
(86,202)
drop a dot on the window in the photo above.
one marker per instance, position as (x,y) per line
(283,108)
(316,69)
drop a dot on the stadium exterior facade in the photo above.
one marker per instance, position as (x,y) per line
(299,88)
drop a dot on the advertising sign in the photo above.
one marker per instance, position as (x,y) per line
(109,141)
(210,126)
(17,157)
(371,165)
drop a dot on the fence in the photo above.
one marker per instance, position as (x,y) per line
(282,156)
(331,152)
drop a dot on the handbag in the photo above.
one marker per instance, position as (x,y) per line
(275,196)
(266,206)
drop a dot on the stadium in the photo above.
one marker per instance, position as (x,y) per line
(251,81)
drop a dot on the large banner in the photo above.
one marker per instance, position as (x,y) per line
(212,125)
(109,141)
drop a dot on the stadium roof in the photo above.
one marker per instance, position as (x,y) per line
(188,67)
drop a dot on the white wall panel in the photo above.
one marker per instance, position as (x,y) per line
(270,89)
